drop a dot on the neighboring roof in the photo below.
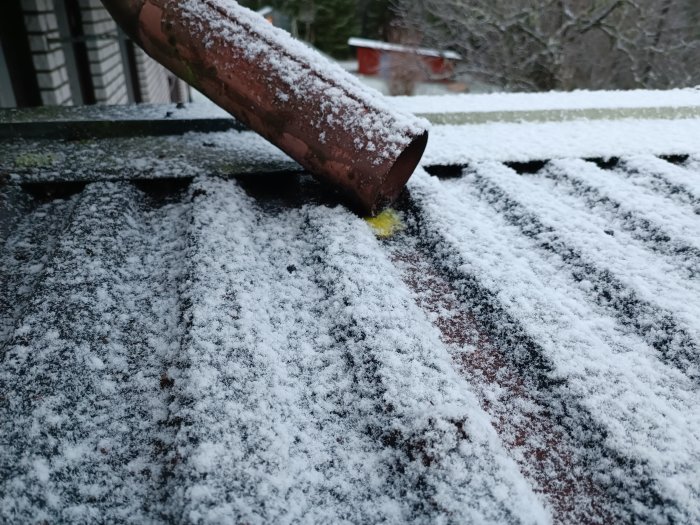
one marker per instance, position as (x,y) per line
(191,330)
(387,46)
(682,99)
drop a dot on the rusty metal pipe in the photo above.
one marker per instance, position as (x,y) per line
(318,114)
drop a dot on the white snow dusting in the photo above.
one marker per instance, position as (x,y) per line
(550,140)
(678,221)
(217,356)
(585,239)
(649,410)
(315,389)
(553,100)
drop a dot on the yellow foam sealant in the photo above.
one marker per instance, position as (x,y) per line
(386,224)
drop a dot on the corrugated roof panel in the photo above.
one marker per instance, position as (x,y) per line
(182,343)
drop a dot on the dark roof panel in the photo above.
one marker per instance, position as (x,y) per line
(186,343)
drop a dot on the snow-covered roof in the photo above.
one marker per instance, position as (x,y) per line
(193,331)
(402,48)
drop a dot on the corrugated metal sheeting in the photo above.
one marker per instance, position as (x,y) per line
(200,345)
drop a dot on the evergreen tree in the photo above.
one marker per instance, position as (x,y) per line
(375,17)
(327,24)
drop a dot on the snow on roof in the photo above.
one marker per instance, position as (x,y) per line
(571,100)
(193,331)
(387,46)
(515,141)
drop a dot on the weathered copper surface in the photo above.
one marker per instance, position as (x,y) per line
(220,67)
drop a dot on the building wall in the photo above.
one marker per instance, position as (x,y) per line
(153,79)
(157,84)
(47,52)
(180,91)
(106,65)
(7,97)
(116,76)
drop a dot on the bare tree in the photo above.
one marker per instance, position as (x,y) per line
(565,44)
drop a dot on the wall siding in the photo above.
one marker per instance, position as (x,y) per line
(153,79)
(106,66)
(47,53)
(106,61)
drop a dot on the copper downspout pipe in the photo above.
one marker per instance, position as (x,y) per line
(314,111)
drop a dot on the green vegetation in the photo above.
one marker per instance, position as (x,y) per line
(34,160)
(327,24)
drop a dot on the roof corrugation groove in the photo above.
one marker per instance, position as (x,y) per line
(231,349)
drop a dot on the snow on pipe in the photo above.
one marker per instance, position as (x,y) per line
(309,107)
